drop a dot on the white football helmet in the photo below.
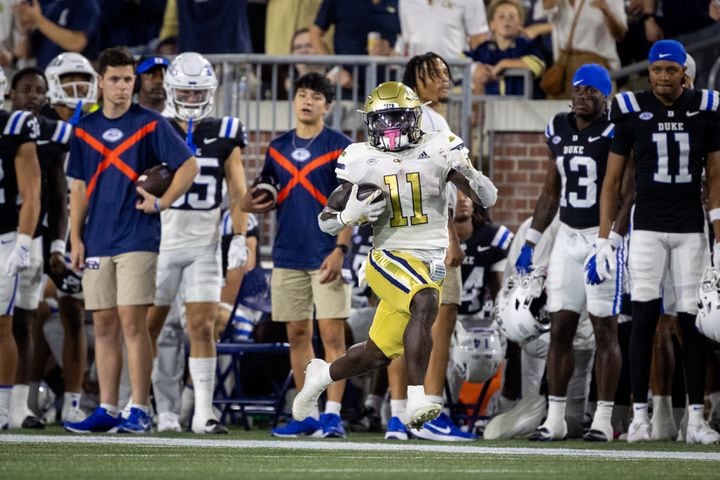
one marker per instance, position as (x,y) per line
(190,84)
(708,297)
(69,94)
(520,307)
(476,351)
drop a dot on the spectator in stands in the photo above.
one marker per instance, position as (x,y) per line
(506,49)
(284,19)
(150,89)
(12,37)
(116,237)
(66,25)
(208,26)
(670,18)
(302,44)
(447,28)
(353,22)
(714,10)
(599,24)
(133,23)
(308,262)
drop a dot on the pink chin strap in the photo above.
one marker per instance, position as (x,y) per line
(393,135)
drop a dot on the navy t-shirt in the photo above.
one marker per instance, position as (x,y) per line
(77,15)
(213,26)
(140,139)
(354,20)
(305,179)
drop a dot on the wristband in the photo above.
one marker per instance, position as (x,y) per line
(156,204)
(58,246)
(533,236)
(225,306)
(714,214)
(345,249)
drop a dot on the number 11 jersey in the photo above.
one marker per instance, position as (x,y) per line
(670,146)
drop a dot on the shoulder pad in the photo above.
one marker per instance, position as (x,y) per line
(710,100)
(230,127)
(61,133)
(503,237)
(550,129)
(16,122)
(609,132)
(625,102)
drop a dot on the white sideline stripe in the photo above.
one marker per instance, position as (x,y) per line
(355,446)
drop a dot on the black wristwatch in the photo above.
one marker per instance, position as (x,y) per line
(344,248)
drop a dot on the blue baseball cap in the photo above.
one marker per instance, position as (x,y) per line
(146,64)
(593,75)
(668,50)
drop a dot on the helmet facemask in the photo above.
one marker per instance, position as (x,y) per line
(393,130)
(392,113)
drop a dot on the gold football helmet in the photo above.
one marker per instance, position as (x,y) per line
(392,113)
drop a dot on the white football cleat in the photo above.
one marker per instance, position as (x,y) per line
(168,422)
(638,432)
(316,381)
(663,429)
(702,433)
(420,410)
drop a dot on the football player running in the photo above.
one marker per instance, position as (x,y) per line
(405,268)
(674,134)
(189,246)
(578,143)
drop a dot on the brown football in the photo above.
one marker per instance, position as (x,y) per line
(338,198)
(266,188)
(155,180)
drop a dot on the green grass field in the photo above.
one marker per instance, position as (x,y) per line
(55,455)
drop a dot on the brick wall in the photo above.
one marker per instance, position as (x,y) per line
(520,163)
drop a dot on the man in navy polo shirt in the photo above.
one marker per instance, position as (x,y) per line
(115,234)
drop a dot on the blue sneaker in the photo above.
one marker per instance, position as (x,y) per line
(138,422)
(443,430)
(332,426)
(293,429)
(396,430)
(98,421)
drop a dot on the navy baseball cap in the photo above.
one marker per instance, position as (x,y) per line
(147,63)
(668,50)
(593,75)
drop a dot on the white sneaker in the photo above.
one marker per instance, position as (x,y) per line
(315,383)
(73,415)
(168,422)
(702,433)
(420,410)
(663,429)
(638,432)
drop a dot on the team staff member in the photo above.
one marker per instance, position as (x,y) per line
(115,235)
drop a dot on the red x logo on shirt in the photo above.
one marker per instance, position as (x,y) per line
(112,157)
(300,176)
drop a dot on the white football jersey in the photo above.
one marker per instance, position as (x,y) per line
(416,188)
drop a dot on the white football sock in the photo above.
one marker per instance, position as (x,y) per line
(397,408)
(696,414)
(556,411)
(333,407)
(640,413)
(202,371)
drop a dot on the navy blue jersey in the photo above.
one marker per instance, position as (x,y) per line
(581,159)
(17,128)
(52,143)
(109,154)
(669,145)
(488,245)
(354,20)
(304,171)
(214,140)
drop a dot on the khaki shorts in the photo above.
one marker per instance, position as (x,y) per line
(452,286)
(295,292)
(126,279)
